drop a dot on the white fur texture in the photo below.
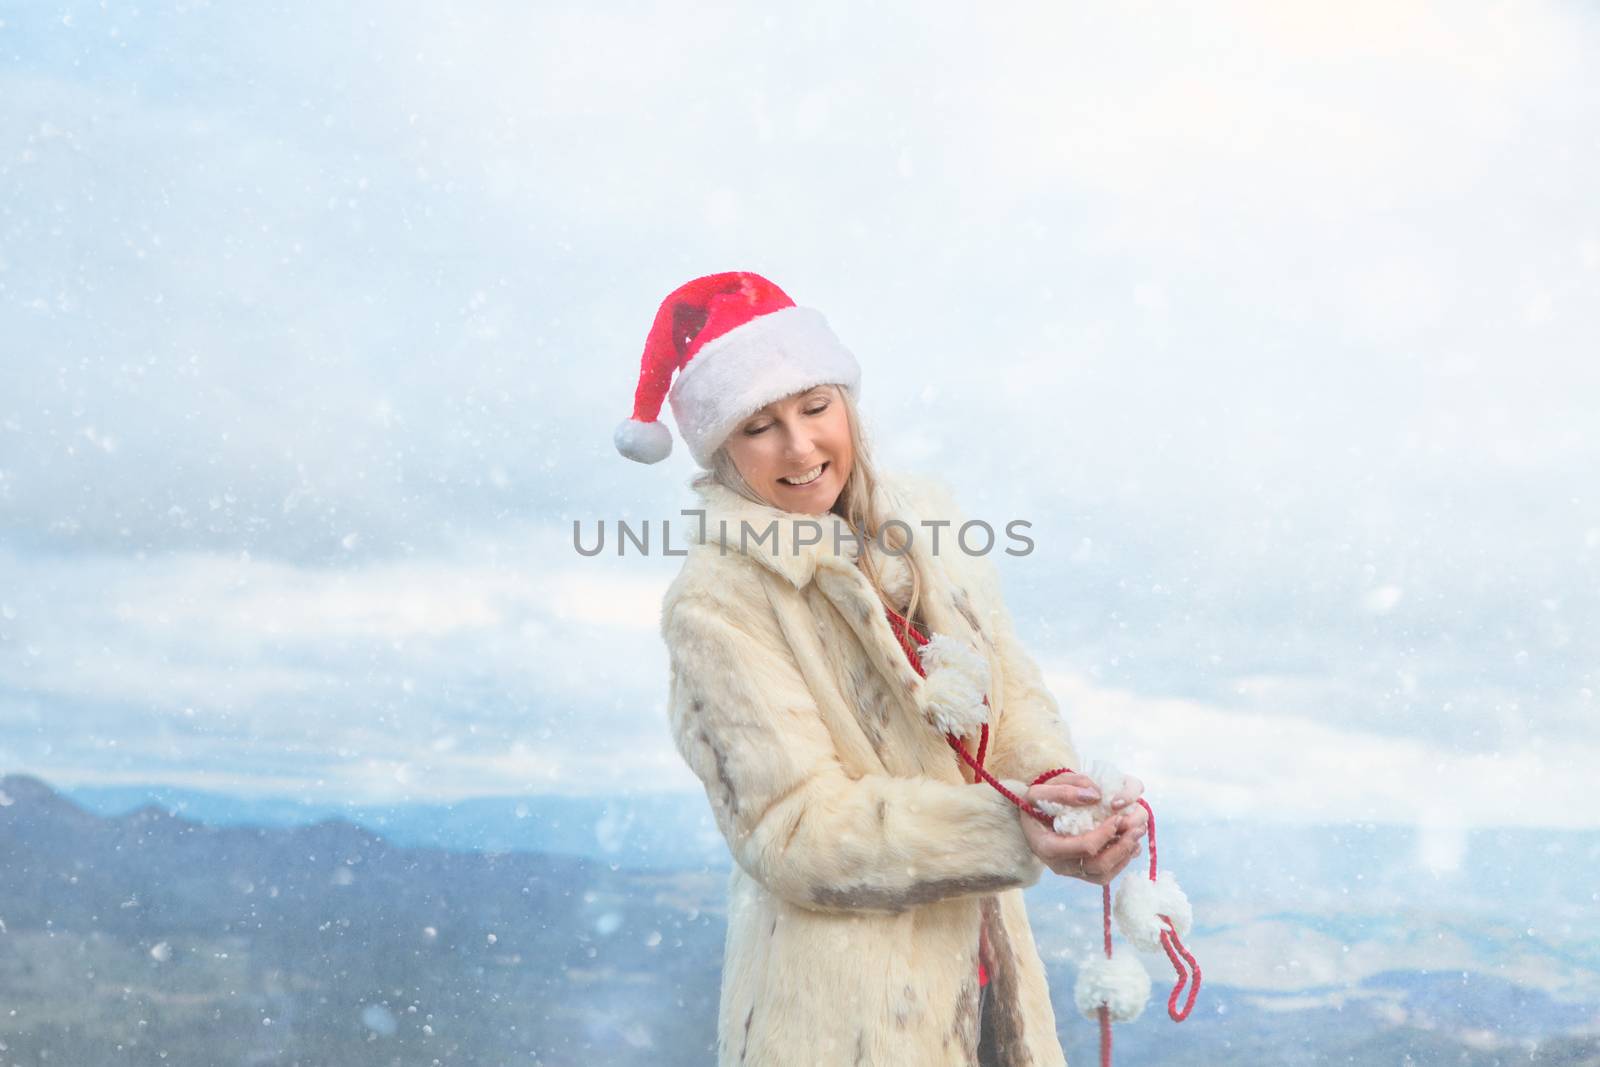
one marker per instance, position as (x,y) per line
(1140,903)
(750,366)
(643,442)
(957,678)
(1120,983)
(1074,819)
(894,574)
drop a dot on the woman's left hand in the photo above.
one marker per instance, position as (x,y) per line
(1100,854)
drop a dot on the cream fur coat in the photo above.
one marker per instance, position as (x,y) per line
(865,860)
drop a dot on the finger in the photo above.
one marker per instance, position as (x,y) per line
(1076,846)
(1134,820)
(1047,846)
(1123,863)
(1106,876)
(1045,842)
(1035,834)
(1109,863)
(1067,789)
(1131,789)
(1055,848)
(1065,778)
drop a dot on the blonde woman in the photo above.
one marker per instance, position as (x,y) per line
(875,908)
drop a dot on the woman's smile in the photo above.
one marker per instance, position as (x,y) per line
(805,478)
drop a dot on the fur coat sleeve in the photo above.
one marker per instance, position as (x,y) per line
(795,819)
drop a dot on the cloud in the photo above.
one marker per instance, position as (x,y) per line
(1214,761)
(1276,324)
(493,669)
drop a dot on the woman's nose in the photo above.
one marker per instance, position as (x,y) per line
(799,444)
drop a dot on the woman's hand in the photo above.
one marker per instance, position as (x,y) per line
(1098,855)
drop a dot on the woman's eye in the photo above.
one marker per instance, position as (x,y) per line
(754,430)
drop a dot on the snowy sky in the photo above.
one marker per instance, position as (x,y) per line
(1280,326)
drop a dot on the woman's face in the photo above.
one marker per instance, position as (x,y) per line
(787,441)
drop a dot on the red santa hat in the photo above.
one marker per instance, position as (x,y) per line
(737,343)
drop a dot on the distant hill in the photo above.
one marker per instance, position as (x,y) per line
(151,938)
(643,831)
(149,933)
(1331,869)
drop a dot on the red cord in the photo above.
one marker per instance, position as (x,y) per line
(910,639)
(1171,941)
(1176,952)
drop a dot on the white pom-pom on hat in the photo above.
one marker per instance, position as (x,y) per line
(643,442)
(1140,904)
(957,676)
(1120,983)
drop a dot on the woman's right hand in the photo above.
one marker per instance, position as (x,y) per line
(1096,856)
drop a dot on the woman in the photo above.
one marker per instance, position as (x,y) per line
(875,909)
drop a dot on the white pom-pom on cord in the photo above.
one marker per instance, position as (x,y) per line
(946,652)
(956,679)
(1069,819)
(1120,983)
(1141,903)
(1073,819)
(643,442)
(953,704)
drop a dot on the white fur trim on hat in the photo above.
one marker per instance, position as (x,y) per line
(1141,903)
(1120,983)
(750,366)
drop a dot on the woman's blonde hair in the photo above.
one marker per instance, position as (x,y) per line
(856,504)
